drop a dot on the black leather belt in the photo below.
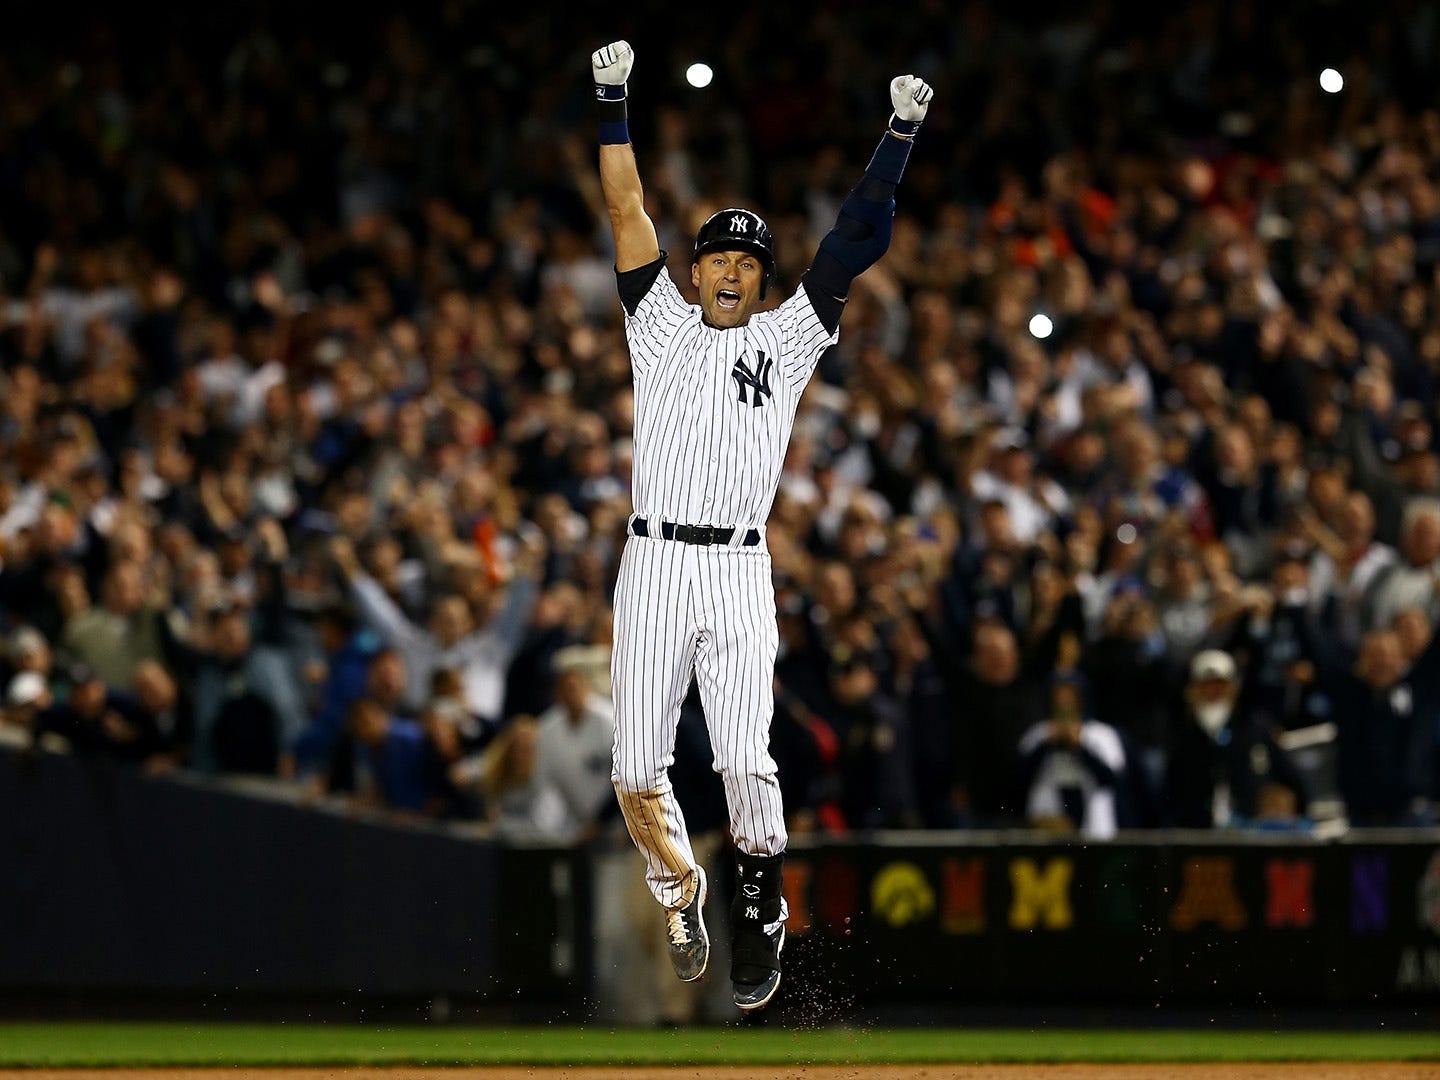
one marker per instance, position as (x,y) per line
(704,535)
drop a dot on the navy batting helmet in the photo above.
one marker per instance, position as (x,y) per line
(735,229)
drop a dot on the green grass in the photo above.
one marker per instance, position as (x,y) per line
(85,1044)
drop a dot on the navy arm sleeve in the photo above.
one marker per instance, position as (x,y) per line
(861,233)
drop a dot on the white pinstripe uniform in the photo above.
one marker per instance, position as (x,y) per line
(713,413)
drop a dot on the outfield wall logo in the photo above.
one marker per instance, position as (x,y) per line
(1207,895)
(1427,895)
(1041,896)
(1369,894)
(962,906)
(901,894)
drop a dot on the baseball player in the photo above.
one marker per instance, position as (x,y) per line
(716,388)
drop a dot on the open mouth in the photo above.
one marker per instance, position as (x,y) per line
(727,299)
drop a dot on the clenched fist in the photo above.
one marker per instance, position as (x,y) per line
(911,97)
(611,66)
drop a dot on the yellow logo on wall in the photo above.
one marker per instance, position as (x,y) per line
(1041,896)
(900,894)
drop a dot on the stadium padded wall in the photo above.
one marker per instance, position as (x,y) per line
(1253,919)
(115,883)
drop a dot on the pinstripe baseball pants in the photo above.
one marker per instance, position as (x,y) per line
(682,608)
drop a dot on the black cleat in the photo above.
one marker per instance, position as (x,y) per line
(689,943)
(757,922)
(762,956)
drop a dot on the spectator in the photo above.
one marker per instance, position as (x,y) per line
(26,697)
(1032,504)
(451,731)
(1001,705)
(95,722)
(1129,677)
(451,641)
(348,652)
(1220,757)
(156,709)
(1072,770)
(1411,581)
(1185,604)
(917,684)
(236,727)
(521,802)
(1347,564)
(1386,715)
(876,760)
(113,639)
(394,752)
(574,740)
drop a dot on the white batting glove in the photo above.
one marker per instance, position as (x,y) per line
(911,98)
(611,67)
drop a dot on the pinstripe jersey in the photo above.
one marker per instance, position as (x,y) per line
(714,408)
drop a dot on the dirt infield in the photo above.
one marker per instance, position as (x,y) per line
(1340,1070)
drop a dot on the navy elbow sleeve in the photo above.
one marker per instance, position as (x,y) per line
(861,234)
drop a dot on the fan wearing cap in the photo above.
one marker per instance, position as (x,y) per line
(26,695)
(1220,757)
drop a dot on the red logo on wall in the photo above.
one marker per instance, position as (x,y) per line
(1291,886)
(962,902)
(836,893)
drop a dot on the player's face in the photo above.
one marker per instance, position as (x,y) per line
(729,284)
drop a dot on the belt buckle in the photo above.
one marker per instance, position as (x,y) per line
(704,535)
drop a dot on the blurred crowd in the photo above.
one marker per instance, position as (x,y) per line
(1117,504)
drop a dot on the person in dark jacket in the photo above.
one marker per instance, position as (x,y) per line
(1384,707)
(1387,737)
(98,722)
(916,682)
(1220,756)
(237,729)
(348,651)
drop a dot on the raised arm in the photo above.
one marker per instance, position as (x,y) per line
(636,244)
(862,231)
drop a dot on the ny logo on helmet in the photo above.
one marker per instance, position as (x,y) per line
(757,380)
(739,223)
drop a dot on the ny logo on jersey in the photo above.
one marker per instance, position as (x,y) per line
(758,380)
(739,223)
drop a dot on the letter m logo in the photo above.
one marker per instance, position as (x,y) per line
(1041,896)
(758,380)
